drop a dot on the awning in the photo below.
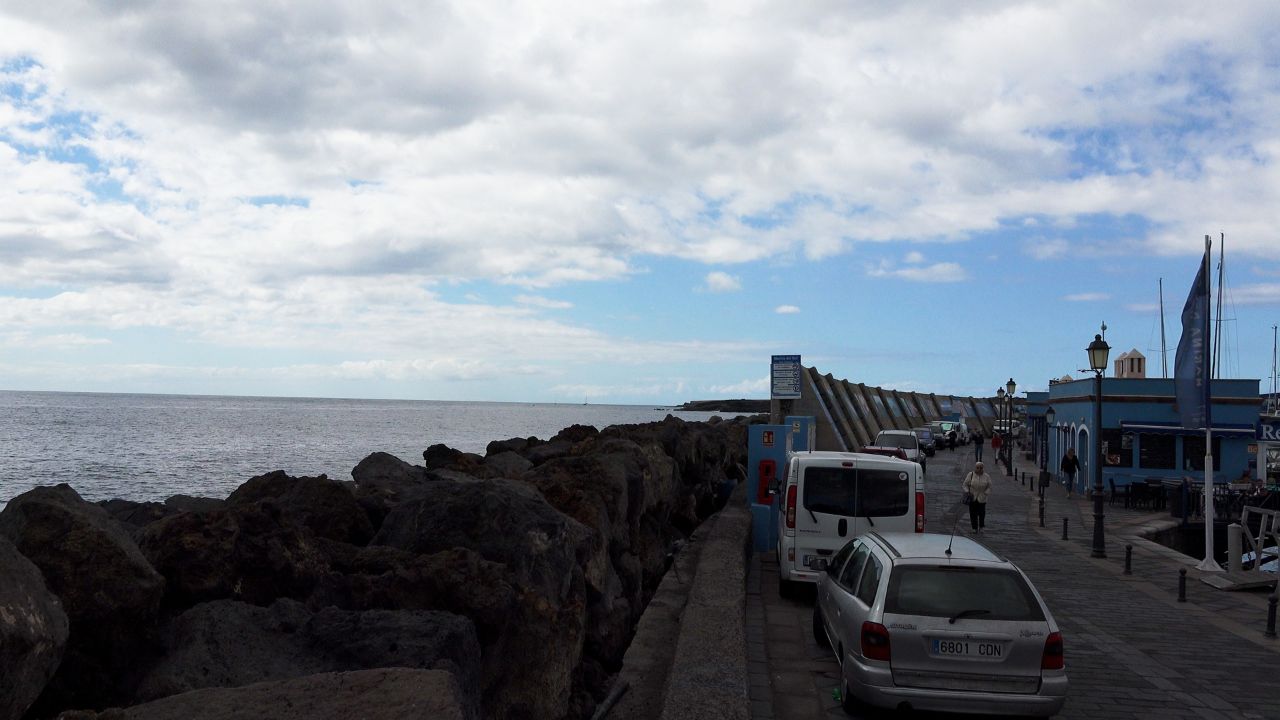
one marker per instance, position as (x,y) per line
(1164,428)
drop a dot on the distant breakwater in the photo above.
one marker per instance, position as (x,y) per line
(503,585)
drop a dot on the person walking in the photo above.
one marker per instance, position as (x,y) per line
(979,440)
(1070,466)
(978,485)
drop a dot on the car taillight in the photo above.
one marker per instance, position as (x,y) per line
(920,512)
(791,506)
(875,641)
(1052,659)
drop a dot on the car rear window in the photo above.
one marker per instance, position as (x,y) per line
(857,493)
(901,441)
(946,591)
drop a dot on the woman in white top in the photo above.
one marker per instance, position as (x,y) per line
(978,484)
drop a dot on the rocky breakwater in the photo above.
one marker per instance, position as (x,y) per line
(506,585)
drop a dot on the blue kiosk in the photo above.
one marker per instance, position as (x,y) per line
(767,447)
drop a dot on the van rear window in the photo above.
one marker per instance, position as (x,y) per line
(857,493)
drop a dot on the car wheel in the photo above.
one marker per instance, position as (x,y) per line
(848,702)
(819,631)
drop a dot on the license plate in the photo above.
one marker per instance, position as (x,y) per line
(968,648)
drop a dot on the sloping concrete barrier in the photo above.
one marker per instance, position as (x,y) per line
(688,658)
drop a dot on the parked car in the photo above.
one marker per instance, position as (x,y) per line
(829,497)
(886,450)
(938,622)
(945,433)
(904,439)
(927,444)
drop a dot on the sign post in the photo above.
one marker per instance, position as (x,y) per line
(784,375)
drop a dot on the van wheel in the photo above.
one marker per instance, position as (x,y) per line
(819,631)
(786,588)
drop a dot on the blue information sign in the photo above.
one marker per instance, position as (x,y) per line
(784,377)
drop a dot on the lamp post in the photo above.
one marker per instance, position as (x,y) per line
(1098,350)
(999,421)
(1011,387)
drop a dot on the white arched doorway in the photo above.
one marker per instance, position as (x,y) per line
(1086,459)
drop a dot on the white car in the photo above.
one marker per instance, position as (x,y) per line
(905,439)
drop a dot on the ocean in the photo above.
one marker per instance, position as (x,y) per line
(149,447)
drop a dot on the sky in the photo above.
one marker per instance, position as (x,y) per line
(626,202)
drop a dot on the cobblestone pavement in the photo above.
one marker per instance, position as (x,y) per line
(1133,650)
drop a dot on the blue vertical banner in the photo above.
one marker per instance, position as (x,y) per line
(1190,366)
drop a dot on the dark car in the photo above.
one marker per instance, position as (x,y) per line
(895,452)
(927,441)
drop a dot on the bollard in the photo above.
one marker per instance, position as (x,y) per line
(1271,616)
(1182,585)
(1234,563)
(1042,512)
(1128,559)
(1064,528)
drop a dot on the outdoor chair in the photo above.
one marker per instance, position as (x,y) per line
(1123,492)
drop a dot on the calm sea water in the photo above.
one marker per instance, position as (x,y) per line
(148,447)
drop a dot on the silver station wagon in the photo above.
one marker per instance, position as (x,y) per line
(936,622)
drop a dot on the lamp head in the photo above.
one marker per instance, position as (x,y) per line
(1011,386)
(1000,393)
(1049,415)
(1098,350)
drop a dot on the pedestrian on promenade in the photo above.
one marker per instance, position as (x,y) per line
(978,484)
(996,442)
(979,440)
(1070,465)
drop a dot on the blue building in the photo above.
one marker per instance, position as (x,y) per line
(1142,437)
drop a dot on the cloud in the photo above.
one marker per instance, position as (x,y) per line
(1042,249)
(1260,294)
(786,310)
(543,302)
(913,258)
(755,387)
(1087,297)
(944,272)
(722,282)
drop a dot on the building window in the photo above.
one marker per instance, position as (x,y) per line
(1157,452)
(1117,448)
(1193,453)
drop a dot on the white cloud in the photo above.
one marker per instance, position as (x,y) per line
(717,281)
(755,387)
(543,302)
(1046,249)
(1260,294)
(913,258)
(944,272)
(786,309)
(1087,297)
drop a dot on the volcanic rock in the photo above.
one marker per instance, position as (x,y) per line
(33,632)
(249,552)
(319,504)
(507,464)
(109,591)
(381,694)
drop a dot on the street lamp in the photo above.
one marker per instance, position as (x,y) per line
(1098,350)
(1012,388)
(999,420)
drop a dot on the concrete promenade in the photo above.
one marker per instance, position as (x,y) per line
(1133,650)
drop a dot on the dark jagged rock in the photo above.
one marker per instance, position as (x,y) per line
(727,406)
(33,632)
(382,694)
(387,476)
(246,552)
(545,552)
(517,445)
(576,433)
(136,515)
(229,644)
(539,454)
(444,457)
(319,504)
(190,503)
(109,591)
(508,464)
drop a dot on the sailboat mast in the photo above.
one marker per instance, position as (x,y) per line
(1275,374)
(1164,348)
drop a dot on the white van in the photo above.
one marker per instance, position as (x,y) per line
(828,498)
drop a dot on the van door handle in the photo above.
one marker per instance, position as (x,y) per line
(843,527)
